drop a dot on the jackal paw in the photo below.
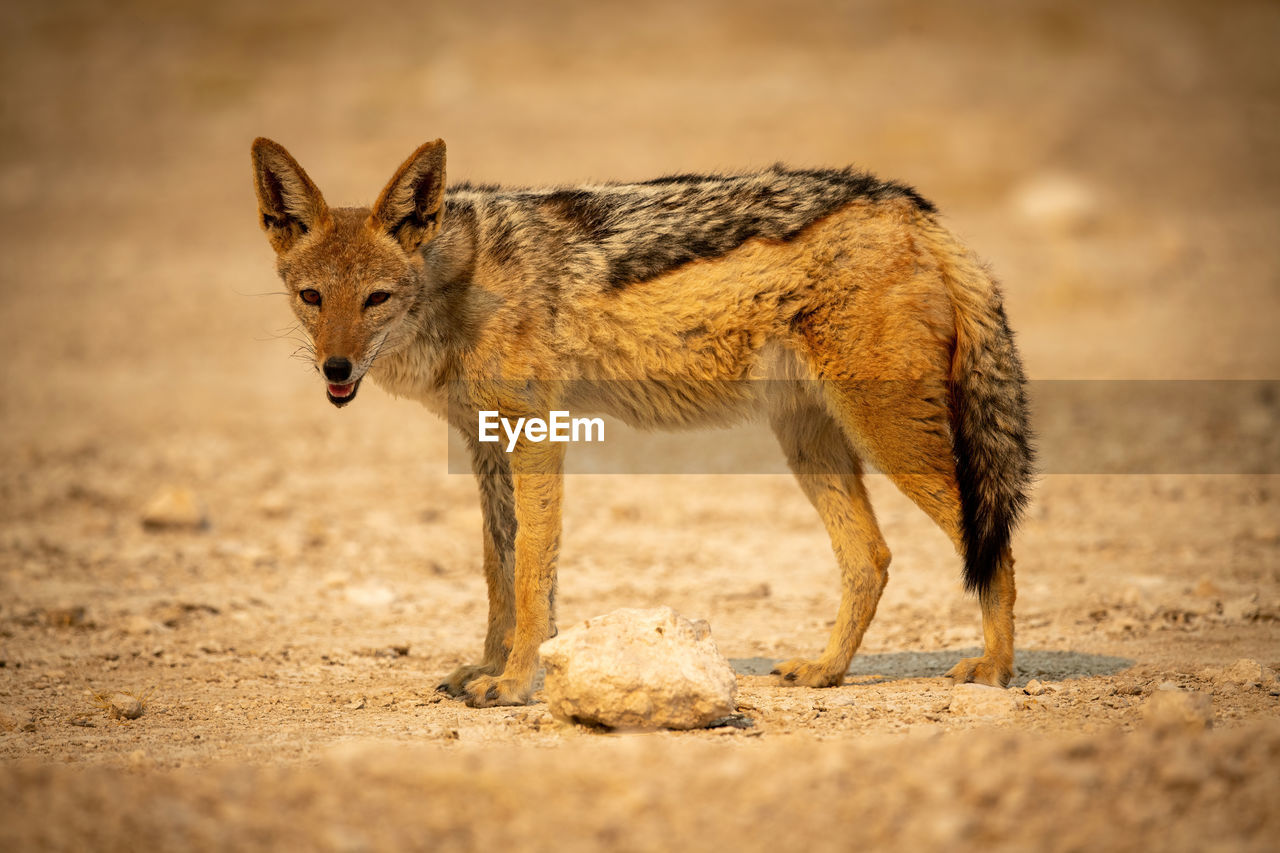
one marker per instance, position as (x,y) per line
(486,691)
(455,685)
(807,673)
(983,670)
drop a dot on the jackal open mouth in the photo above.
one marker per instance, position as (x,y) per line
(340,395)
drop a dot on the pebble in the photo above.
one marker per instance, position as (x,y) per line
(371,595)
(395,651)
(139,624)
(1247,673)
(124,706)
(175,508)
(1240,609)
(1206,588)
(65,617)
(9,720)
(274,505)
(1057,202)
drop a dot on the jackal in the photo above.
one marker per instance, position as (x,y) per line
(830,302)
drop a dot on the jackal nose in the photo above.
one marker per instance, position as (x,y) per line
(337,369)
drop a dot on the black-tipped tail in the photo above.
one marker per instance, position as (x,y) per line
(991,438)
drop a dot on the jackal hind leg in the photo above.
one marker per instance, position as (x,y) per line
(904,428)
(830,475)
(497,504)
(995,667)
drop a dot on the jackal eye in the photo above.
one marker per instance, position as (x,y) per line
(309,296)
(377,298)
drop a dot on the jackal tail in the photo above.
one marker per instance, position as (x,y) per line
(990,427)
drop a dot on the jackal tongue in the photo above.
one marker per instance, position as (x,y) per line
(341,390)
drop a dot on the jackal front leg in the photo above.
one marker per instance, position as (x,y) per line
(538,482)
(497,503)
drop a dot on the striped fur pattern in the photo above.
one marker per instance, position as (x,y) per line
(616,234)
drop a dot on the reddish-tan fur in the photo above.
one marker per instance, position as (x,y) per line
(874,335)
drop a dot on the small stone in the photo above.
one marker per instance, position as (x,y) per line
(833,699)
(9,721)
(1206,588)
(273,505)
(1178,711)
(175,508)
(371,595)
(1034,688)
(979,700)
(1139,602)
(65,617)
(733,721)
(124,706)
(1056,202)
(397,651)
(1240,609)
(179,614)
(638,669)
(1247,673)
(139,624)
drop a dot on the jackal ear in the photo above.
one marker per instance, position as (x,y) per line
(409,209)
(289,204)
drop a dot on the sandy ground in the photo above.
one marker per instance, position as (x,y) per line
(1115,162)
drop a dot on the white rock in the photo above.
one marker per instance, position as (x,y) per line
(979,700)
(1057,202)
(1178,711)
(371,595)
(175,508)
(638,669)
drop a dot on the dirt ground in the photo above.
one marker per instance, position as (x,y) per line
(1115,162)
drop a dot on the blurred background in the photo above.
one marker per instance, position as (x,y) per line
(180,507)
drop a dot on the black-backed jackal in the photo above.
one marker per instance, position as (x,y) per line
(859,326)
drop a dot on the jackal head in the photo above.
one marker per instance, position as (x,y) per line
(353,275)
